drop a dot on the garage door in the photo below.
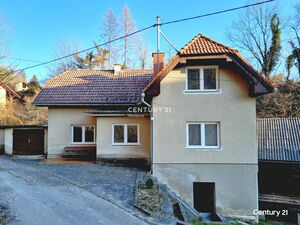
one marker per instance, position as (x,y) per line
(28,142)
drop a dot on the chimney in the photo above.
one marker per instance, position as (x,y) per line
(157,59)
(117,69)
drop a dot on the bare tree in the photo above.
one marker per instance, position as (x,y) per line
(128,26)
(110,29)
(143,54)
(257,32)
(63,48)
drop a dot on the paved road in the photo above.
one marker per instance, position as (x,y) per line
(35,197)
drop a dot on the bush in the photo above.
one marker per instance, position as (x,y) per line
(149,183)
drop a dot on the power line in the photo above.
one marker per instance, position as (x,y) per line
(138,31)
(22,59)
(214,13)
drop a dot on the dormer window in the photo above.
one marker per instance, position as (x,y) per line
(202,78)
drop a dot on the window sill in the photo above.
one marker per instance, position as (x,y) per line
(204,148)
(91,143)
(125,144)
(205,92)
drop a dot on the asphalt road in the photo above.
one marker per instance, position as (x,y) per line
(35,197)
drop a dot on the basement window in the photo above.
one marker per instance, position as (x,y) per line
(83,134)
(202,78)
(125,134)
(204,135)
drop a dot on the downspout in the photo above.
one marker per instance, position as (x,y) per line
(151,129)
(143,99)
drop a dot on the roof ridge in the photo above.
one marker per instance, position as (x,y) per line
(198,36)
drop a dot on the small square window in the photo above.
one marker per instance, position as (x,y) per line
(125,134)
(83,134)
(203,78)
(203,135)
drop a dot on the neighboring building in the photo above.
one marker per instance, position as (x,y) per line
(21,86)
(279,167)
(279,155)
(7,93)
(199,134)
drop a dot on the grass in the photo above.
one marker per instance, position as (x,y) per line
(261,222)
(149,197)
(2,217)
(196,222)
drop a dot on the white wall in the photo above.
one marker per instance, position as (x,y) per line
(59,126)
(233,108)
(105,148)
(233,167)
(8,146)
(2,95)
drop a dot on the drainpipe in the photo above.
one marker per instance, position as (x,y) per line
(143,99)
(151,129)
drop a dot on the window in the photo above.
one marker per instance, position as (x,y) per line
(203,135)
(125,134)
(83,134)
(202,79)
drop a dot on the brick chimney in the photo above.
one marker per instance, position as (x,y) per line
(117,69)
(157,59)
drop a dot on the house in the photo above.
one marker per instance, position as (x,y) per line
(194,120)
(21,86)
(279,165)
(7,93)
(279,155)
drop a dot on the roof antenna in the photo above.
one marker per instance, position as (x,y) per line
(158,40)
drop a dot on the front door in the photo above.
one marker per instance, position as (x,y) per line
(28,142)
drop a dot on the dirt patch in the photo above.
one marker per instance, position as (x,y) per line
(149,197)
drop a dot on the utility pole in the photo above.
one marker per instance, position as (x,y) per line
(158,41)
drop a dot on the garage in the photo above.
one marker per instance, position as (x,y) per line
(23,140)
(28,142)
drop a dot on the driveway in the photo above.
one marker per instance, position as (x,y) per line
(65,194)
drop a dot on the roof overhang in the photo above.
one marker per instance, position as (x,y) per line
(258,85)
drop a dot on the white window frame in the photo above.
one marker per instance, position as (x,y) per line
(202,127)
(201,79)
(125,134)
(83,134)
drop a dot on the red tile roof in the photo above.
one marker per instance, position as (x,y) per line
(94,87)
(201,44)
(10,91)
(205,46)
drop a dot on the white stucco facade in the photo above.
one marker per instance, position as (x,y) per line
(233,165)
(106,148)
